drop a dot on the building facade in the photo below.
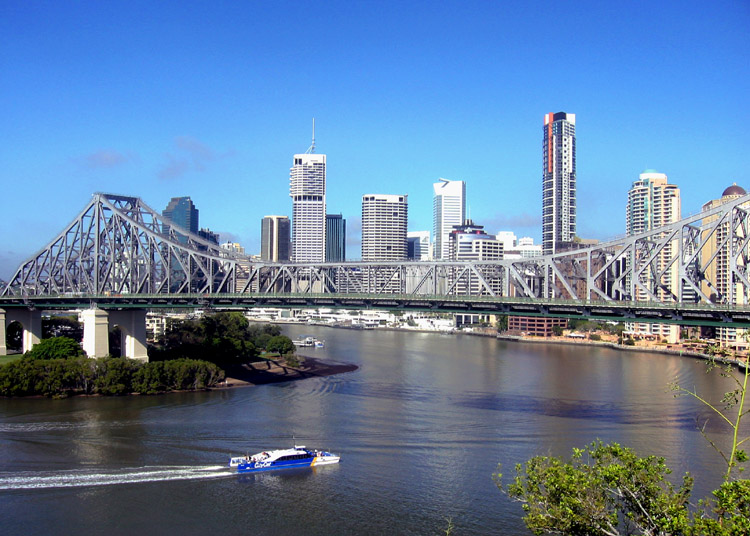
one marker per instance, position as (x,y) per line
(182,212)
(558,180)
(715,261)
(274,238)
(653,203)
(307,188)
(449,210)
(418,247)
(384,221)
(335,238)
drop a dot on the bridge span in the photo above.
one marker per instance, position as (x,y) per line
(120,257)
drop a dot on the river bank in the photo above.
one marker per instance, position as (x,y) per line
(273,371)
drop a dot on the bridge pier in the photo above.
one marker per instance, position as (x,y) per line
(95,332)
(3,345)
(133,328)
(31,320)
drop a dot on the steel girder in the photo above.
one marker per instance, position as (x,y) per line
(119,245)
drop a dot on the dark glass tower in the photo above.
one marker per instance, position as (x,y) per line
(182,212)
(335,238)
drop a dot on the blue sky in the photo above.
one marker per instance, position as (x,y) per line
(212,99)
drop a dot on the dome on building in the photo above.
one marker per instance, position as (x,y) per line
(734,190)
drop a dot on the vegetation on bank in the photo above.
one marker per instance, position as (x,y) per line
(53,370)
(225,338)
(192,355)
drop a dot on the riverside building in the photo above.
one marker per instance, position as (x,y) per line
(653,203)
(384,220)
(274,238)
(558,180)
(449,210)
(307,188)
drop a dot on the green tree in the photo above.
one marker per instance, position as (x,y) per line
(56,348)
(502,323)
(602,490)
(281,344)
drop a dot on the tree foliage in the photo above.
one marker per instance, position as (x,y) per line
(55,348)
(601,490)
(225,338)
(105,376)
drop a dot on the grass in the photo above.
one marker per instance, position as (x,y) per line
(8,358)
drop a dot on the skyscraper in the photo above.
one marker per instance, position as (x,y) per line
(182,212)
(716,261)
(274,238)
(335,238)
(384,220)
(307,188)
(558,180)
(449,210)
(653,203)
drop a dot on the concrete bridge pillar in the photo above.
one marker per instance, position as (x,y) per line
(31,320)
(3,345)
(95,332)
(133,328)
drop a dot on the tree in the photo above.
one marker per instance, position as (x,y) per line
(281,344)
(603,490)
(502,323)
(55,348)
(14,336)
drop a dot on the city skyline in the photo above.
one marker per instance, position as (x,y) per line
(90,107)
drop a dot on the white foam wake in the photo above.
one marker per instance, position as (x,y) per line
(68,479)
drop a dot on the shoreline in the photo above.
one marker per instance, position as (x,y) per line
(272,371)
(545,340)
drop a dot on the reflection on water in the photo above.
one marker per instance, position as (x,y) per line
(421,426)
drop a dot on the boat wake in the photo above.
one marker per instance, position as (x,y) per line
(71,479)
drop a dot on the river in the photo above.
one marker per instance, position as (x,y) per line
(421,426)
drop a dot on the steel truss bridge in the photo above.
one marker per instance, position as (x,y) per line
(118,253)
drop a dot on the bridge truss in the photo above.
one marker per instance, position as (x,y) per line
(119,246)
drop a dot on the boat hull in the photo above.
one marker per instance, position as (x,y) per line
(257,467)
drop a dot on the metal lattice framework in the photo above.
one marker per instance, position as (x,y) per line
(118,245)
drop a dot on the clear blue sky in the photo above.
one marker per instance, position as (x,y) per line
(211,99)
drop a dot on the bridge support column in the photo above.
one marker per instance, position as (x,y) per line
(95,332)
(133,328)
(3,335)
(31,320)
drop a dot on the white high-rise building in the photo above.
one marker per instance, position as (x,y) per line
(307,188)
(653,203)
(558,180)
(449,210)
(384,220)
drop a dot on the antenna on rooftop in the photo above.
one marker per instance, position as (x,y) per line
(311,149)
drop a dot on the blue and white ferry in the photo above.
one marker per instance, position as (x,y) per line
(297,456)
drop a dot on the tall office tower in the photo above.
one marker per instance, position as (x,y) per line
(307,188)
(558,180)
(418,245)
(182,213)
(274,238)
(715,259)
(335,238)
(449,210)
(653,203)
(384,219)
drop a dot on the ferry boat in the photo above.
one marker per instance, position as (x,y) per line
(297,456)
